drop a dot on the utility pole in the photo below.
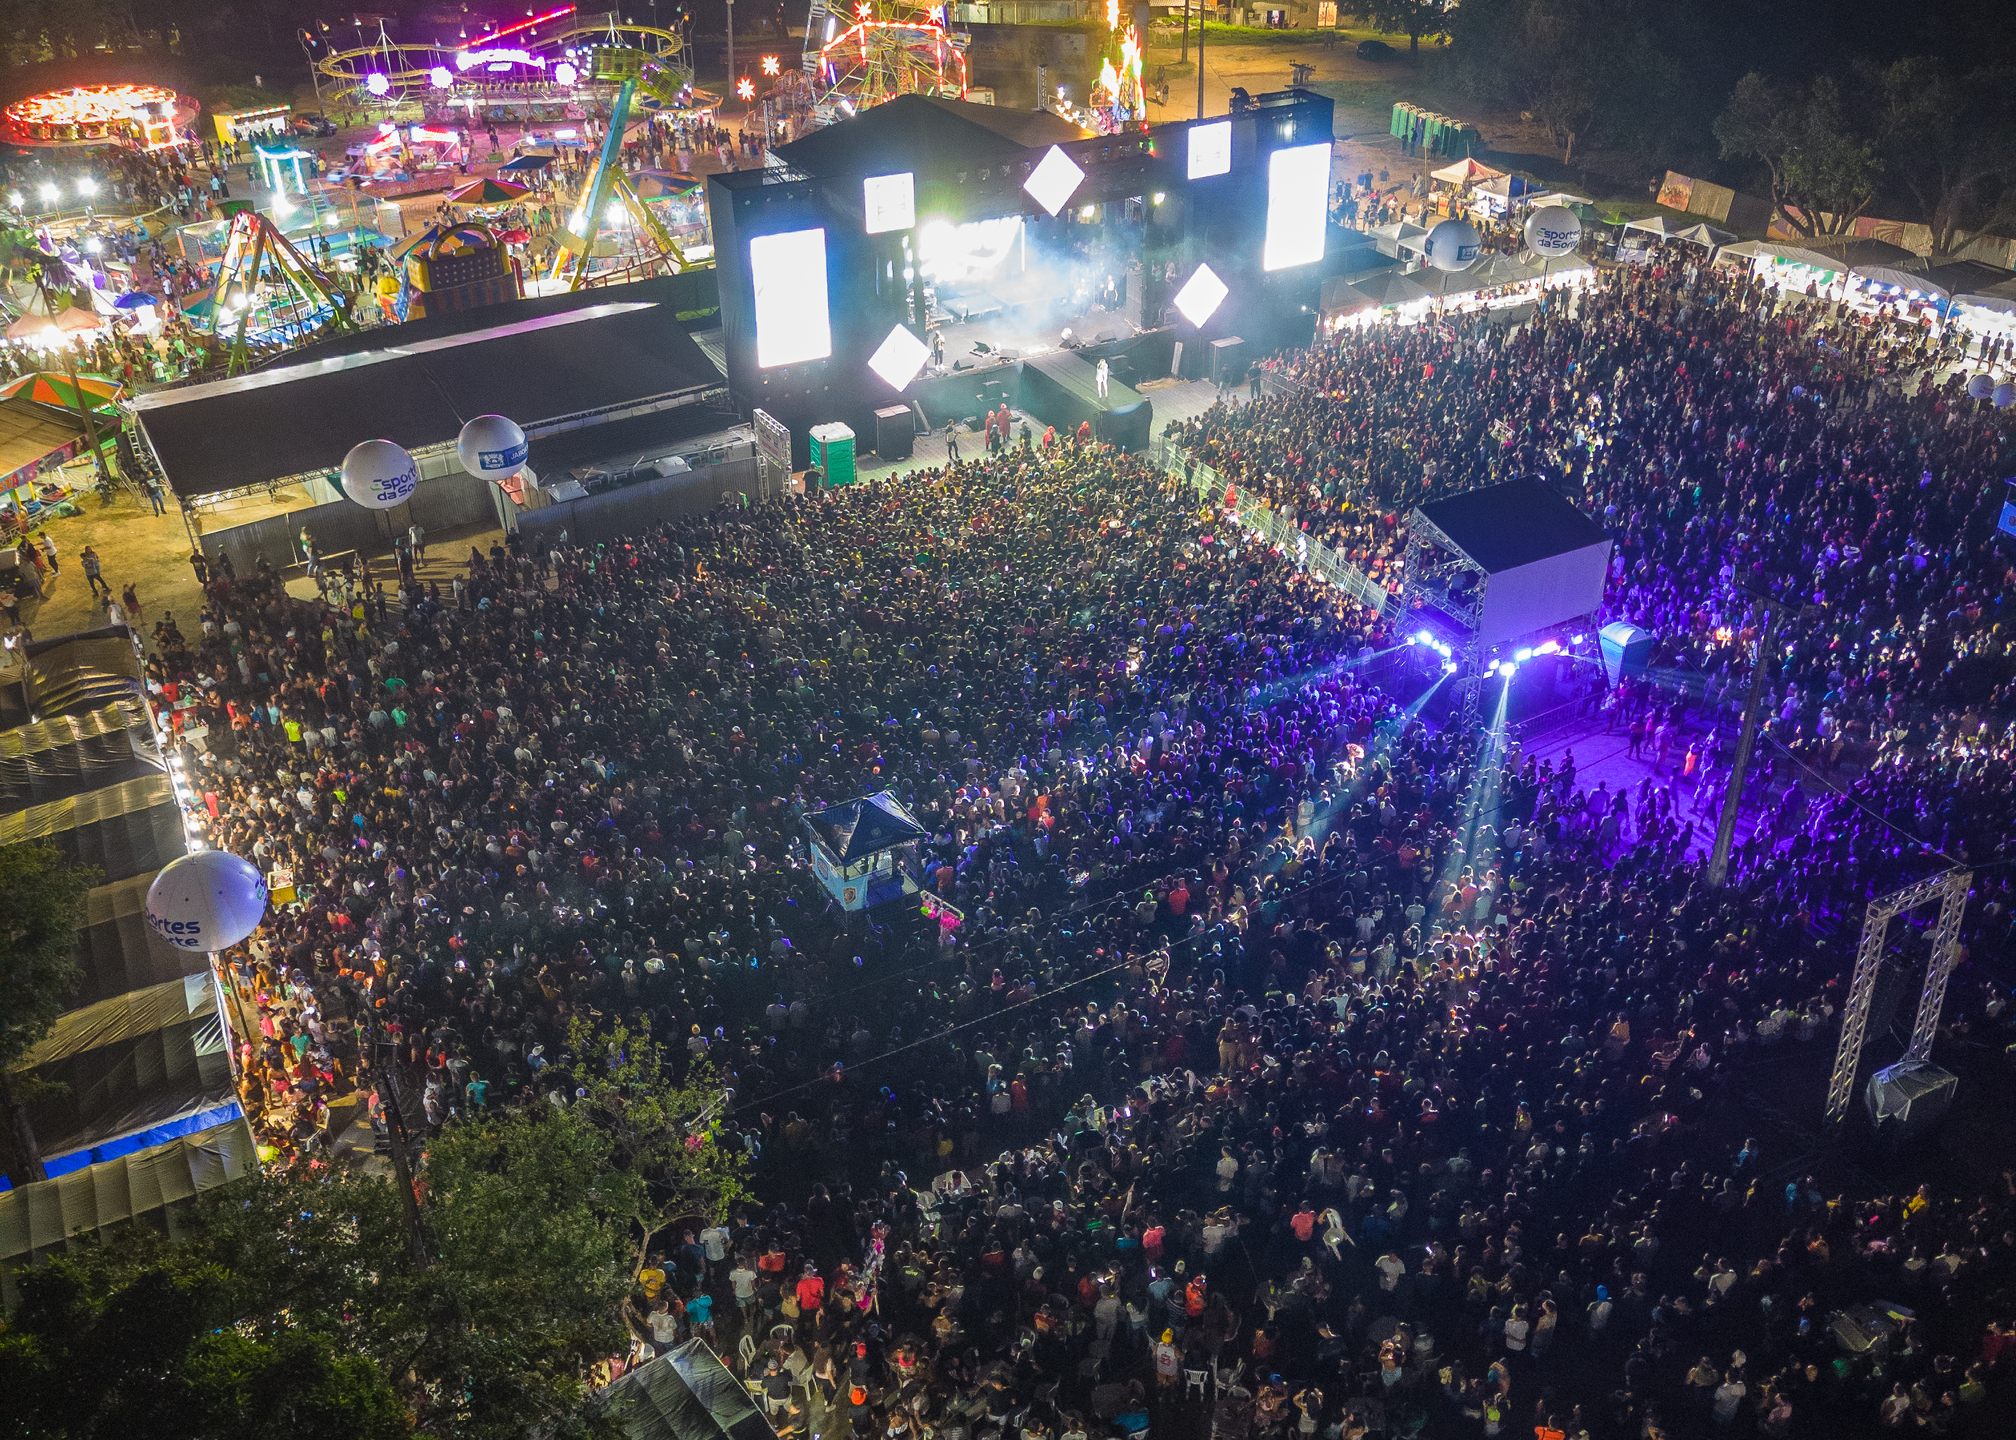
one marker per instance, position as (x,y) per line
(1200,57)
(1184,58)
(402,1172)
(731,50)
(1732,801)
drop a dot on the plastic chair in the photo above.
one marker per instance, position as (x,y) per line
(1194,1380)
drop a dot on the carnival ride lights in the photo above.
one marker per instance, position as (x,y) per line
(90,112)
(877,59)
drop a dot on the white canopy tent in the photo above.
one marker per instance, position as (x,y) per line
(1899,280)
(1705,234)
(1465,172)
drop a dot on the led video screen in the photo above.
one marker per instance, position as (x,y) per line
(1298,185)
(788,273)
(1210,149)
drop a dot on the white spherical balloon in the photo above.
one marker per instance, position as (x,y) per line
(2004,396)
(1553,231)
(1980,387)
(378,474)
(208,901)
(491,448)
(1452,245)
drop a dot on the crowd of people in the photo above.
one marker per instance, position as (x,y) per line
(1282,1025)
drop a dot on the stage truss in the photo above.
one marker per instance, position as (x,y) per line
(864,54)
(1950,890)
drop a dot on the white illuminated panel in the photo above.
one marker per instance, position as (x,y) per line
(899,358)
(1054,180)
(890,202)
(788,272)
(1298,187)
(1201,296)
(1210,149)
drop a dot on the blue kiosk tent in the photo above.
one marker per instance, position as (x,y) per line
(855,847)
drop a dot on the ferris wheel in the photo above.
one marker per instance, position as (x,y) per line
(874,50)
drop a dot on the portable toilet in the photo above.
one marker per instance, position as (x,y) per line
(1627,650)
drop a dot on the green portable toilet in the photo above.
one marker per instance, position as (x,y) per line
(833,453)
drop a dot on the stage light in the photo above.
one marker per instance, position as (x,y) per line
(1200,298)
(1159,197)
(788,273)
(770,66)
(439,77)
(1505,668)
(899,358)
(1298,188)
(87,187)
(1449,667)
(1577,639)
(332,219)
(1520,657)
(1548,647)
(15,200)
(1413,639)
(1423,637)
(377,82)
(49,193)
(1054,180)
(889,202)
(94,246)
(1210,149)
(745,88)
(1086,212)
(565,73)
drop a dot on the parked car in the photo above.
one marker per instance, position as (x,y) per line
(317,127)
(1375,50)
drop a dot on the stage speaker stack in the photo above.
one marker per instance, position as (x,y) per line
(1228,360)
(894,432)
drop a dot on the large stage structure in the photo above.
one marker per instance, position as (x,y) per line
(1490,574)
(920,252)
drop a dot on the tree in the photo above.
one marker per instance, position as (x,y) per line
(665,1162)
(1412,18)
(142,1341)
(38,938)
(1823,170)
(1949,141)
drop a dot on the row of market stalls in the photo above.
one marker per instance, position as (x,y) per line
(1495,282)
(1869,274)
(140,1110)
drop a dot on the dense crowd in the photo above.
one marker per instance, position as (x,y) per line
(1283,1027)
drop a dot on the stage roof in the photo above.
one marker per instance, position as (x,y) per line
(1503,527)
(537,361)
(922,133)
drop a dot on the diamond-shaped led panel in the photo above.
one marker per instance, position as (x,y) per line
(899,358)
(1201,296)
(1054,180)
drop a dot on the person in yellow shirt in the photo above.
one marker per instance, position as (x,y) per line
(652,1278)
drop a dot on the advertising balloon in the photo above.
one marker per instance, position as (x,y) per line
(1553,231)
(378,474)
(207,901)
(1980,387)
(1452,245)
(491,448)
(2004,396)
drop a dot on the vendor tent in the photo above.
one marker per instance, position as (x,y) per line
(686,1394)
(855,829)
(1386,290)
(1905,280)
(125,830)
(1659,226)
(76,673)
(1779,251)
(133,1070)
(1392,239)
(1465,172)
(1341,297)
(1845,252)
(1987,304)
(148,1187)
(525,165)
(1705,234)
(68,755)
